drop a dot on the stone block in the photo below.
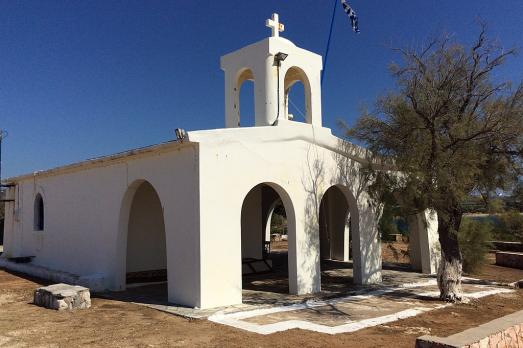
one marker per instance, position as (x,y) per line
(62,296)
(509,259)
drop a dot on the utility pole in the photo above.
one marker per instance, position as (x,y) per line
(3,135)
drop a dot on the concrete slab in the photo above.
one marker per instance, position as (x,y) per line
(341,306)
(349,313)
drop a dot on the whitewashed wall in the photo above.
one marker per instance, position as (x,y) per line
(300,163)
(86,216)
(202,186)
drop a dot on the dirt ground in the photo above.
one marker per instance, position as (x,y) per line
(392,252)
(122,324)
(395,252)
(497,273)
(279,245)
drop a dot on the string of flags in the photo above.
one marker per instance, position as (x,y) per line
(352,16)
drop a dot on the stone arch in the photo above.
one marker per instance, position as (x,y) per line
(141,235)
(253,214)
(245,74)
(38,213)
(294,75)
(339,226)
(334,220)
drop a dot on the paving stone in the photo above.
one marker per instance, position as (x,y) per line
(62,297)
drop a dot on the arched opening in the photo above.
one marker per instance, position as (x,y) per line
(245,103)
(297,96)
(38,213)
(267,224)
(146,257)
(394,230)
(295,107)
(276,229)
(336,233)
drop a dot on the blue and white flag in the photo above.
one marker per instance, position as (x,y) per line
(352,16)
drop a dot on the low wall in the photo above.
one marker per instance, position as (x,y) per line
(506,331)
(93,282)
(509,259)
(507,246)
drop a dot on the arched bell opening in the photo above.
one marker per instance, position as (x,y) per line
(244,105)
(297,96)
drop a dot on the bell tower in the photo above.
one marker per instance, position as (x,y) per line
(275,64)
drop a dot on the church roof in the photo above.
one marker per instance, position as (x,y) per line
(102,160)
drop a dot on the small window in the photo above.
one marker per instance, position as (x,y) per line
(39,213)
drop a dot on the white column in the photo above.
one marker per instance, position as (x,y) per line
(315,82)
(265,94)
(232,100)
(346,240)
(304,250)
(366,245)
(425,250)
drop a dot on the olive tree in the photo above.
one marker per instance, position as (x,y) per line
(449,129)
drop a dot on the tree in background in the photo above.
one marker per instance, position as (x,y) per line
(495,206)
(450,129)
(512,225)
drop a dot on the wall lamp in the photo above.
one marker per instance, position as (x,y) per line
(280,57)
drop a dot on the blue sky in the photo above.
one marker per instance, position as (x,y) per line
(80,79)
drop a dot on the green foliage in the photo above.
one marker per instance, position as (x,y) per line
(496,206)
(516,198)
(512,226)
(474,237)
(450,128)
(474,204)
(391,223)
(279,220)
(387,225)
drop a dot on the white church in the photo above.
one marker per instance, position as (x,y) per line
(197,206)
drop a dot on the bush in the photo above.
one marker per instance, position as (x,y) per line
(496,206)
(508,227)
(474,243)
(512,225)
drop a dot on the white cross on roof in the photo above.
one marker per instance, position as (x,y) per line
(275,25)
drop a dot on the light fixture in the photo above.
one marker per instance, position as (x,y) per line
(280,57)
(181,134)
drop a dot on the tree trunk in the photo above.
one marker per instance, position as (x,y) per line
(450,269)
